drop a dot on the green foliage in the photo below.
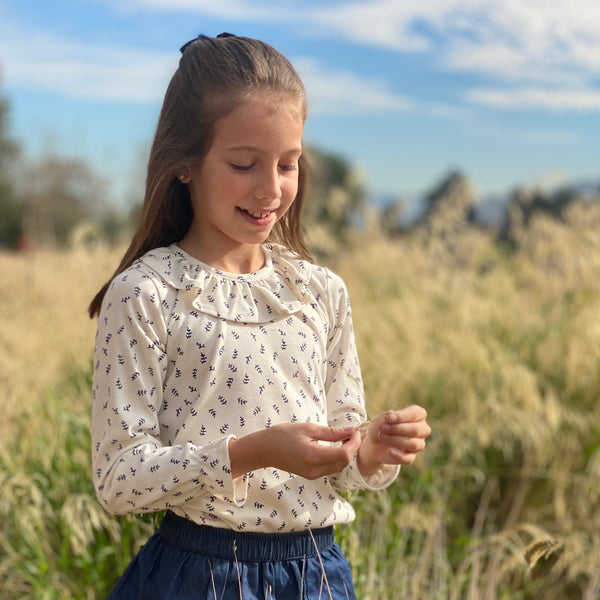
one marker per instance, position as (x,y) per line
(65,194)
(57,542)
(334,203)
(56,199)
(10,217)
(10,208)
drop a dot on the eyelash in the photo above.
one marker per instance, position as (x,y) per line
(236,167)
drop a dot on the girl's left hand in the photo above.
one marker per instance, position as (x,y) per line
(394,437)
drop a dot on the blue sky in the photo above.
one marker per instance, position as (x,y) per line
(508,91)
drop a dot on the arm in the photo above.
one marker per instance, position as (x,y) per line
(135,468)
(344,390)
(295,447)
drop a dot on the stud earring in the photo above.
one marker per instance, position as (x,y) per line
(181,177)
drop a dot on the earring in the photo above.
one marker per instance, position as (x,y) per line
(181,177)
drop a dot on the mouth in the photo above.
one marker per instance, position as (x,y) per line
(261,218)
(258,214)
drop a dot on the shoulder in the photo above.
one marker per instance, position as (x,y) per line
(321,282)
(140,283)
(145,272)
(328,279)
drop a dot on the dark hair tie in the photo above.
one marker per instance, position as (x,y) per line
(204,37)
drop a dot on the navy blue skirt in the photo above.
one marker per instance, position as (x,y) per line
(186,561)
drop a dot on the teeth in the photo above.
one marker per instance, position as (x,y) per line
(259,215)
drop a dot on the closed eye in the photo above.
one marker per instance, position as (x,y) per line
(237,167)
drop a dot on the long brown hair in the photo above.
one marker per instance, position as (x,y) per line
(214,76)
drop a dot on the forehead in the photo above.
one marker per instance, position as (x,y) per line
(262,120)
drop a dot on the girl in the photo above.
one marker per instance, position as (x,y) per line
(227,388)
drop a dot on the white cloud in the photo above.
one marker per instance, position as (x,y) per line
(549,136)
(41,61)
(527,40)
(584,100)
(379,23)
(341,92)
(549,50)
(234,10)
(85,70)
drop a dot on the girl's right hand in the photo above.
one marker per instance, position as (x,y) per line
(296,448)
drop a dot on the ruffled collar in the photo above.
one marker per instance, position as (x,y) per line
(280,288)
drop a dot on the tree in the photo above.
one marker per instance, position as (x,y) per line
(335,200)
(10,208)
(390,218)
(449,207)
(525,204)
(59,194)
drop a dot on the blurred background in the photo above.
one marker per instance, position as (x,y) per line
(456,189)
(505,93)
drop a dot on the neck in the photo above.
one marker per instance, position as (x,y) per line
(241,259)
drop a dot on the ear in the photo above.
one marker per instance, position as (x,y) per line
(184,176)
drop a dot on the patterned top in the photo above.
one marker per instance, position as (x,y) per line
(188,357)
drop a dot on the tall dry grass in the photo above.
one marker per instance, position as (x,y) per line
(501,347)
(56,542)
(44,330)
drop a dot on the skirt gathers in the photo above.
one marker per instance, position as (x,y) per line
(186,561)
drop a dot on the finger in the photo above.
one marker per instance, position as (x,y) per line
(419,430)
(332,434)
(402,458)
(325,460)
(403,444)
(409,414)
(352,444)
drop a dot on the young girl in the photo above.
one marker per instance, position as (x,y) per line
(227,388)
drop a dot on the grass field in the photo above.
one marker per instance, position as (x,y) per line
(502,348)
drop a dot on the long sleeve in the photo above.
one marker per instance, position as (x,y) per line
(344,388)
(135,467)
(188,357)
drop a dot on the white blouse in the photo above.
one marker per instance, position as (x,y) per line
(188,357)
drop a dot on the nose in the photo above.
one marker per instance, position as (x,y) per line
(268,186)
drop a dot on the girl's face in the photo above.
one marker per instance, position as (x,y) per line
(247,181)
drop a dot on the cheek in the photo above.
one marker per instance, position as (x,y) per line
(232,188)
(286,201)
(290,189)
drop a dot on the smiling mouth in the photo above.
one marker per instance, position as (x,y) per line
(257,214)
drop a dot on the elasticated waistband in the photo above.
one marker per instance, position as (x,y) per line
(244,546)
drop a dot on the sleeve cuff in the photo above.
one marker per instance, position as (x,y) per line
(215,468)
(379,480)
(352,479)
